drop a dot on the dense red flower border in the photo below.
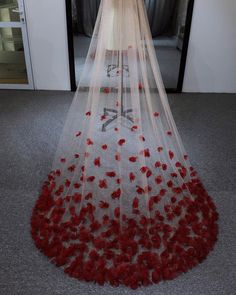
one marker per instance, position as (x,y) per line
(100,251)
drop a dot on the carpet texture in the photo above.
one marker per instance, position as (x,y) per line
(31,123)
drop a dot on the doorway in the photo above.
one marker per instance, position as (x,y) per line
(15,64)
(170,23)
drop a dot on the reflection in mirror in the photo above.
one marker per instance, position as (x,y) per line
(167,20)
(12,58)
(9,11)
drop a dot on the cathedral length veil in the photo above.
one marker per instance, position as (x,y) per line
(123,204)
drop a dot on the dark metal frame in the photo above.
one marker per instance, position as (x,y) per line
(188,24)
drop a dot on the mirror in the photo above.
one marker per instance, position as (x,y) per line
(169,20)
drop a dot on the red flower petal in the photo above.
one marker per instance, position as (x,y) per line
(170,183)
(158,179)
(63,160)
(131,177)
(67,183)
(89,141)
(158,164)
(121,141)
(134,128)
(135,203)
(103,117)
(76,156)
(116,194)
(104,146)
(91,178)
(77,185)
(142,138)
(117,157)
(169,133)
(133,159)
(171,154)
(139,190)
(103,205)
(164,167)
(72,168)
(78,134)
(111,174)
(118,181)
(117,212)
(146,153)
(97,162)
(103,183)
(156,114)
(89,196)
(160,149)
(144,169)
(88,113)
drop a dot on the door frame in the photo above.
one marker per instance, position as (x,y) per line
(183,61)
(23,26)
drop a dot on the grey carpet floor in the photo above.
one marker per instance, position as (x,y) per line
(167,53)
(30,126)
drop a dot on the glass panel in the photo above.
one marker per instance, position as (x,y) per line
(9,11)
(12,59)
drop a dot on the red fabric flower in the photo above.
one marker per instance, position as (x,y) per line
(170,183)
(89,141)
(77,198)
(135,203)
(71,168)
(116,194)
(133,159)
(146,153)
(121,141)
(103,183)
(164,167)
(97,162)
(103,205)
(77,185)
(158,179)
(117,157)
(160,149)
(89,196)
(142,138)
(134,128)
(140,190)
(103,117)
(104,146)
(131,176)
(111,174)
(67,183)
(158,164)
(171,155)
(91,178)
(117,212)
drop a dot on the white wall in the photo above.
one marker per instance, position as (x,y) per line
(46,21)
(211,62)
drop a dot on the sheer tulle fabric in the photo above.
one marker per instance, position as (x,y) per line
(123,204)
